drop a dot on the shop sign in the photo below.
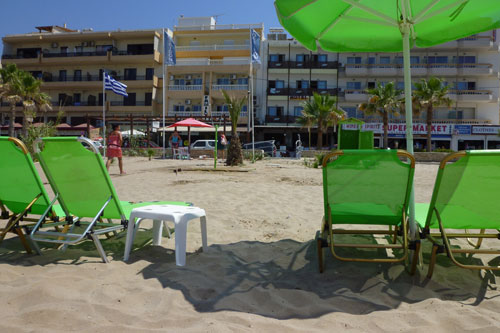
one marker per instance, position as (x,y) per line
(298,97)
(486,130)
(462,129)
(350,127)
(400,128)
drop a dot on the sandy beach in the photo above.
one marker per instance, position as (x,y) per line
(259,274)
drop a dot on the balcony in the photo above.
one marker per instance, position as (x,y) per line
(211,27)
(281,119)
(211,62)
(218,87)
(177,87)
(278,64)
(356,95)
(448,69)
(74,54)
(212,48)
(475,96)
(303,64)
(278,91)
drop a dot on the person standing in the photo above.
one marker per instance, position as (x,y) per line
(114,143)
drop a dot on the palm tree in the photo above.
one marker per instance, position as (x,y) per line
(234,155)
(322,112)
(427,95)
(20,86)
(11,91)
(308,122)
(384,100)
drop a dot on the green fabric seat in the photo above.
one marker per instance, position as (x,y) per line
(20,184)
(78,176)
(465,196)
(365,187)
(364,213)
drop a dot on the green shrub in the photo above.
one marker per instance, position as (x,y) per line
(259,155)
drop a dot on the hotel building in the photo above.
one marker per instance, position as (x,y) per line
(71,65)
(469,67)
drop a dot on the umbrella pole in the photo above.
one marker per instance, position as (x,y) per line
(409,119)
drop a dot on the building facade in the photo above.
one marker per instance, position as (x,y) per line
(469,67)
(71,65)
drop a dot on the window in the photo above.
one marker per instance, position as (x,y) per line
(280,84)
(371,60)
(437,60)
(297,111)
(179,108)
(301,58)
(465,59)
(140,49)
(273,58)
(222,108)
(465,85)
(244,108)
(62,75)
(194,43)
(130,74)
(354,85)
(322,58)
(197,107)
(179,82)
(102,49)
(77,75)
(77,98)
(455,114)
(302,84)
(385,60)
(228,42)
(130,100)
(275,111)
(148,99)
(149,73)
(78,49)
(243,80)
(37,74)
(91,100)
(371,85)
(222,81)
(199,144)
(354,60)
(400,85)
(100,99)
(321,84)
(414,59)
(63,99)
(198,81)
(351,111)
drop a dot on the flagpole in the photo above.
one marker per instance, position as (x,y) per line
(164,90)
(104,113)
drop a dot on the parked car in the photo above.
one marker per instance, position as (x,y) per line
(268,147)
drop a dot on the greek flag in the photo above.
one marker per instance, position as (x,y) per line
(169,50)
(255,40)
(115,86)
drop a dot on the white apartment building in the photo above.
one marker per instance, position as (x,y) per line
(470,67)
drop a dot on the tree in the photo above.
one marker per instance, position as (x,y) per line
(234,154)
(21,86)
(427,95)
(322,112)
(384,101)
(11,91)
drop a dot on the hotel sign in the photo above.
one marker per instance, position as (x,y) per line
(486,130)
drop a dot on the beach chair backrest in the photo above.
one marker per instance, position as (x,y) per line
(20,182)
(466,192)
(79,176)
(373,176)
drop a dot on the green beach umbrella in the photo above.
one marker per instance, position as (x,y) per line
(386,26)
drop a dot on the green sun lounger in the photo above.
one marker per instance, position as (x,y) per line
(365,187)
(82,186)
(466,196)
(22,194)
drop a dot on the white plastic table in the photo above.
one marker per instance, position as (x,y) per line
(180,215)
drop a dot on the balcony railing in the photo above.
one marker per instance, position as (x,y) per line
(423,65)
(20,56)
(179,87)
(88,78)
(230,87)
(277,91)
(219,27)
(303,64)
(127,53)
(121,103)
(300,91)
(212,47)
(74,54)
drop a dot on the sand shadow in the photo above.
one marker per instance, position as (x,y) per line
(285,285)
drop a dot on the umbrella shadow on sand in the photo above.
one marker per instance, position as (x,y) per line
(277,279)
(281,280)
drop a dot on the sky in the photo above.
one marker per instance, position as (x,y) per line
(22,16)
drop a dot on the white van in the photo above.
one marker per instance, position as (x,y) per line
(203,144)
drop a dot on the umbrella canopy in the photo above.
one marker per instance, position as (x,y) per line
(190,122)
(386,26)
(63,126)
(377,25)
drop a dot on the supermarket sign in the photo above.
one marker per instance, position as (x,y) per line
(400,129)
